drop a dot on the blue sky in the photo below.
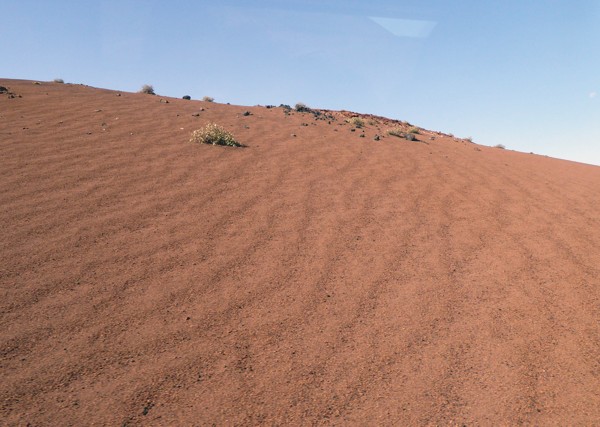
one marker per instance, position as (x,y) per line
(525,74)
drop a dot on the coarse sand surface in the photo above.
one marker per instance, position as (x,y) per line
(314,277)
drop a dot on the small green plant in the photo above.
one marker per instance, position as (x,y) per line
(502,147)
(356,122)
(187,97)
(414,129)
(59,81)
(208,99)
(214,134)
(148,89)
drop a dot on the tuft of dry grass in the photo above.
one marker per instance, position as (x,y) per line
(401,133)
(208,99)
(214,134)
(500,146)
(396,132)
(58,80)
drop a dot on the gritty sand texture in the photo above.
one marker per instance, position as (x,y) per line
(317,279)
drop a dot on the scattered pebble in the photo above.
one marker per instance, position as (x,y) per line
(147,408)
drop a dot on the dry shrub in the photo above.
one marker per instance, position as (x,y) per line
(356,122)
(302,108)
(147,89)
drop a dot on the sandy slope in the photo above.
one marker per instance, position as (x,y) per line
(321,278)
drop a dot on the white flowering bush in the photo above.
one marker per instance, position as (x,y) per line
(214,134)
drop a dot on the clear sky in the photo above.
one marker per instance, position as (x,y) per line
(522,73)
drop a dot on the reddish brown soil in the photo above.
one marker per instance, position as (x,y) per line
(322,278)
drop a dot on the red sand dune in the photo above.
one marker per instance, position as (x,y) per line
(322,278)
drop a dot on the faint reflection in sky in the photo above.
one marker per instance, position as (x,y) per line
(405,27)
